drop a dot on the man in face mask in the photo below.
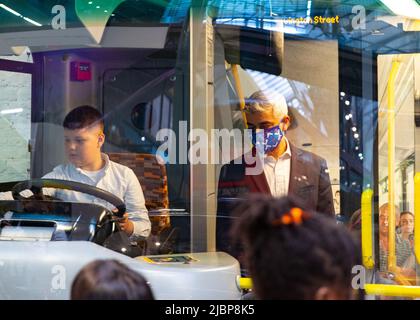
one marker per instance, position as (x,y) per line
(287,170)
(268,122)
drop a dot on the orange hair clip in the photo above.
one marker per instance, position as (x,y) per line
(294,216)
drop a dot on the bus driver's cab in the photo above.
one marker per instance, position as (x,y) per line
(147,82)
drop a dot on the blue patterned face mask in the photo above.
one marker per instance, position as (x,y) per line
(268,139)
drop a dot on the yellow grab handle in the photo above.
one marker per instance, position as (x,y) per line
(392,290)
(244,283)
(392,259)
(367,229)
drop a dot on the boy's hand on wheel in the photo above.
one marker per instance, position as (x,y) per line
(126,225)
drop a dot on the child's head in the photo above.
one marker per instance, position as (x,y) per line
(83,135)
(292,253)
(109,280)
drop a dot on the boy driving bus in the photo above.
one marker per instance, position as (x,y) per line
(83,139)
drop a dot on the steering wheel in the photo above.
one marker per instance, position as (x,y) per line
(36,186)
(107,236)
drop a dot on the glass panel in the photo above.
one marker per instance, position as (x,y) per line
(396,148)
(176,86)
(15,125)
(311,103)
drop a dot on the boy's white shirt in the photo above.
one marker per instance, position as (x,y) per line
(114,178)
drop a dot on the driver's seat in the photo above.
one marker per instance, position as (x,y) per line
(154,182)
(151,174)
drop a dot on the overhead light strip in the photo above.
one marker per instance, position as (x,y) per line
(11,111)
(3,6)
(10,10)
(32,21)
(406,8)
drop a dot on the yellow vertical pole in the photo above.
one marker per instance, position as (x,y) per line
(417,216)
(367,229)
(238,88)
(391,165)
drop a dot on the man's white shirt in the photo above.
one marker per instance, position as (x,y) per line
(115,178)
(277,172)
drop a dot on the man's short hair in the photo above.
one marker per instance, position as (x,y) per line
(83,117)
(261,101)
(385,206)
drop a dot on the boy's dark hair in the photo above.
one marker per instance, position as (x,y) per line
(83,117)
(109,280)
(292,261)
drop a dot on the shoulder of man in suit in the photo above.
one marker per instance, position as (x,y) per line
(305,154)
